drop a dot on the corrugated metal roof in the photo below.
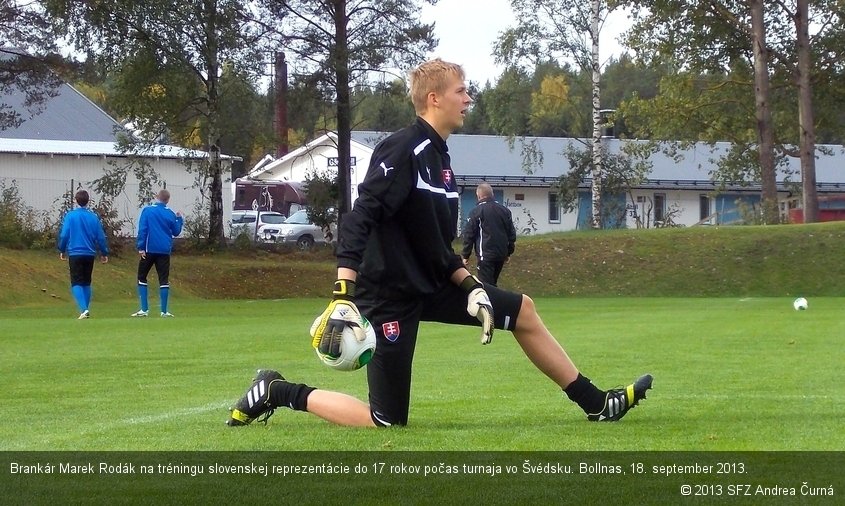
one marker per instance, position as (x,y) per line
(95,148)
(490,156)
(68,116)
(70,124)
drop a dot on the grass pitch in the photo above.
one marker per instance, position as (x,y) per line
(730,375)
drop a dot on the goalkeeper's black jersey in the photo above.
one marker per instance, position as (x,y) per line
(400,231)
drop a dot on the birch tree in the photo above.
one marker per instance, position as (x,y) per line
(806,116)
(567,30)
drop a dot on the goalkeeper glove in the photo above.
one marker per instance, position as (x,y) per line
(478,305)
(327,329)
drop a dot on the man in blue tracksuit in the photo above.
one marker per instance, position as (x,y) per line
(157,227)
(81,236)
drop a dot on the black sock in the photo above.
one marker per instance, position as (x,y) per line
(586,395)
(290,395)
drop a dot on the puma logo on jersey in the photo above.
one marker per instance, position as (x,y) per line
(385,168)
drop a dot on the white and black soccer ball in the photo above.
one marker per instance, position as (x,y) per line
(353,353)
(800,304)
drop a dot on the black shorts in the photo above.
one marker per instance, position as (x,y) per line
(489,270)
(396,323)
(81,268)
(162,264)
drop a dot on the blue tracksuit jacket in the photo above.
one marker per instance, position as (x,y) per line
(82,234)
(157,227)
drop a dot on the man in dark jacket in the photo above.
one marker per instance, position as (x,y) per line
(81,236)
(157,227)
(489,229)
(396,263)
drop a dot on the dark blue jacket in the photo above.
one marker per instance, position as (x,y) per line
(400,231)
(82,234)
(489,228)
(157,227)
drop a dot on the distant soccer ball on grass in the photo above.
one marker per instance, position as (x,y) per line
(353,354)
(800,304)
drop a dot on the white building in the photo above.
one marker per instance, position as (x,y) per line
(70,142)
(678,189)
(317,157)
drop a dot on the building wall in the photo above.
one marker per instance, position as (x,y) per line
(531,214)
(320,160)
(682,205)
(529,208)
(43,180)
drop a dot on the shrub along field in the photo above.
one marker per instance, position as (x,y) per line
(678,262)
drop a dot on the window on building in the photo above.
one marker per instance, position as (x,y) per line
(554,208)
(659,207)
(519,196)
(704,207)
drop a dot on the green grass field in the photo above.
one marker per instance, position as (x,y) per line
(730,374)
(740,378)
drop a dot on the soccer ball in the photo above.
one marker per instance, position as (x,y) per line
(353,354)
(800,304)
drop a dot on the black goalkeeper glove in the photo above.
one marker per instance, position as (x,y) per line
(478,305)
(327,329)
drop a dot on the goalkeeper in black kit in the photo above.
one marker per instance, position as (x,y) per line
(396,267)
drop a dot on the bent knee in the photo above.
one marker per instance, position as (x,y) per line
(528,317)
(527,305)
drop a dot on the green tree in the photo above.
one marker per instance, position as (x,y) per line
(28,61)
(477,120)
(321,189)
(382,107)
(308,101)
(763,53)
(549,105)
(248,129)
(509,103)
(343,43)
(623,171)
(624,78)
(176,51)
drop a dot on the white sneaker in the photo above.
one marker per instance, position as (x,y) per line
(84,315)
(140,313)
(166,315)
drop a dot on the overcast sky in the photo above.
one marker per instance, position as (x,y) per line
(468,28)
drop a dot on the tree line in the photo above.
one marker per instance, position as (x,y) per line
(764,76)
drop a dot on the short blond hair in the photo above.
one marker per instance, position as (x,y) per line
(431,76)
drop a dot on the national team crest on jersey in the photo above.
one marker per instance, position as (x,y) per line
(390,331)
(447,177)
